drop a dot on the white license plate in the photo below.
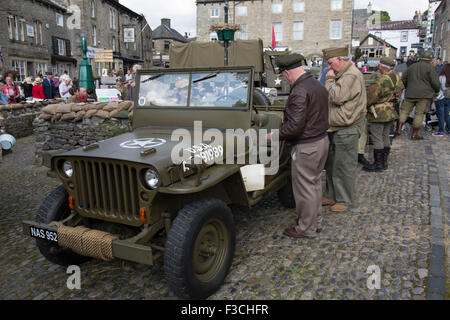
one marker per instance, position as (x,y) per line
(44,234)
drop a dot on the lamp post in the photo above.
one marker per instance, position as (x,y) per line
(226,41)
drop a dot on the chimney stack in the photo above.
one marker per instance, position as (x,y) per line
(165,22)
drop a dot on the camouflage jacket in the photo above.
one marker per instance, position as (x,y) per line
(382,97)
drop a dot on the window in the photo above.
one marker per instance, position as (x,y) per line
(92,9)
(126,19)
(278,26)
(213,36)
(59,20)
(277,8)
(16,28)
(214,13)
(19,66)
(40,34)
(335,29)
(22,30)
(166,46)
(241,11)
(448,25)
(99,69)
(243,34)
(135,46)
(112,19)
(336,5)
(299,6)
(94,36)
(298,30)
(61,47)
(113,43)
(404,36)
(10,27)
(442,31)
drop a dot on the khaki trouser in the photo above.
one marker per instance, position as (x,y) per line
(363,139)
(422,107)
(379,132)
(307,166)
(342,164)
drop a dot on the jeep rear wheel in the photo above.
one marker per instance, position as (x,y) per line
(199,249)
(56,208)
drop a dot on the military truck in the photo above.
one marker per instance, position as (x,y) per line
(127,198)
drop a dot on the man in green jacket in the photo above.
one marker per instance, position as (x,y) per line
(422,83)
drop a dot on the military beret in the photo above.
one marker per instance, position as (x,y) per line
(335,52)
(290,61)
(388,61)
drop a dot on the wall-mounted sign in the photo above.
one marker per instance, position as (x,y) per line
(129,34)
(104,56)
(30,31)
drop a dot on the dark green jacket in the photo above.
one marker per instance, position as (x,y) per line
(421,81)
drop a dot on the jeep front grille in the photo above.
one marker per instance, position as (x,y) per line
(108,190)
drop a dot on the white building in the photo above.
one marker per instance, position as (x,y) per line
(433,5)
(408,36)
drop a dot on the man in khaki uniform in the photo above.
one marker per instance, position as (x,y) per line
(347,113)
(305,127)
(381,104)
(422,84)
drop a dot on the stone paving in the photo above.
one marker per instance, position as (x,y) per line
(399,223)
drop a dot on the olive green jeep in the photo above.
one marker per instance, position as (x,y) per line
(163,191)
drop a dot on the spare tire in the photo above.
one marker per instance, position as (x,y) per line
(260,99)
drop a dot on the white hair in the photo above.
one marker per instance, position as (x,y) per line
(137,67)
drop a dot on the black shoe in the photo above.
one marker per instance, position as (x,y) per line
(362,160)
(386,153)
(377,166)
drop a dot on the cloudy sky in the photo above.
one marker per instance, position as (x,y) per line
(183,12)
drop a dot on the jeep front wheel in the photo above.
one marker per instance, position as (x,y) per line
(199,249)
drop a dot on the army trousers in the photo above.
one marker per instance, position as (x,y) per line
(422,107)
(308,161)
(363,139)
(342,164)
(379,133)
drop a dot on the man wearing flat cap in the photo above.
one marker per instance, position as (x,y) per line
(305,127)
(347,113)
(382,97)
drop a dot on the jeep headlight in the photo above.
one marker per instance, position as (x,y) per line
(151,178)
(68,169)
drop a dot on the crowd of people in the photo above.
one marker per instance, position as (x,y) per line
(325,122)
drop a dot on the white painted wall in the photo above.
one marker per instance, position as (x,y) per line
(394,38)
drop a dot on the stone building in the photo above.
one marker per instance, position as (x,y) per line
(304,25)
(361,23)
(35,38)
(163,36)
(441,37)
(104,23)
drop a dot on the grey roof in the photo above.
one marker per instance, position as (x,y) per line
(358,13)
(400,25)
(378,39)
(164,32)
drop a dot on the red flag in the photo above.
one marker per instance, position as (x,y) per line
(384,49)
(274,42)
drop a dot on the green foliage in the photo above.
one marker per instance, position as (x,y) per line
(384,16)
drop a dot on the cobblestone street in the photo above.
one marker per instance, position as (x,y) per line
(399,223)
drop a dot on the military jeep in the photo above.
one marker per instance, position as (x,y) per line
(126,198)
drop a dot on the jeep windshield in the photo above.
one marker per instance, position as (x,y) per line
(194,89)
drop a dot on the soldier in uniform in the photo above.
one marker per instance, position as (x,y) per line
(347,113)
(422,84)
(381,99)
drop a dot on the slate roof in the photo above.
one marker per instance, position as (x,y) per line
(164,32)
(377,39)
(400,25)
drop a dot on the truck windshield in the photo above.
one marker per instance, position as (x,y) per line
(224,89)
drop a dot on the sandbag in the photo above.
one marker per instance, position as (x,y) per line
(110,107)
(79,115)
(50,109)
(102,114)
(76,108)
(113,113)
(125,105)
(64,108)
(45,116)
(87,107)
(68,116)
(57,116)
(90,113)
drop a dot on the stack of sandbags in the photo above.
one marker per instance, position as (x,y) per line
(78,112)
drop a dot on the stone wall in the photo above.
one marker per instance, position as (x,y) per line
(59,136)
(17,119)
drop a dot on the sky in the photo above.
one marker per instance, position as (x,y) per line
(183,13)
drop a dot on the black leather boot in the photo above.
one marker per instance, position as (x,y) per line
(362,160)
(377,166)
(386,153)
(398,131)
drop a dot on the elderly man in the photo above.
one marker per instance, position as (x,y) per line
(80,96)
(64,87)
(347,113)
(305,127)
(422,84)
(382,97)
(49,86)
(132,83)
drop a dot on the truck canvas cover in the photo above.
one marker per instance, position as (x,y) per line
(211,54)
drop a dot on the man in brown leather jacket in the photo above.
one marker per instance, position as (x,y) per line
(305,127)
